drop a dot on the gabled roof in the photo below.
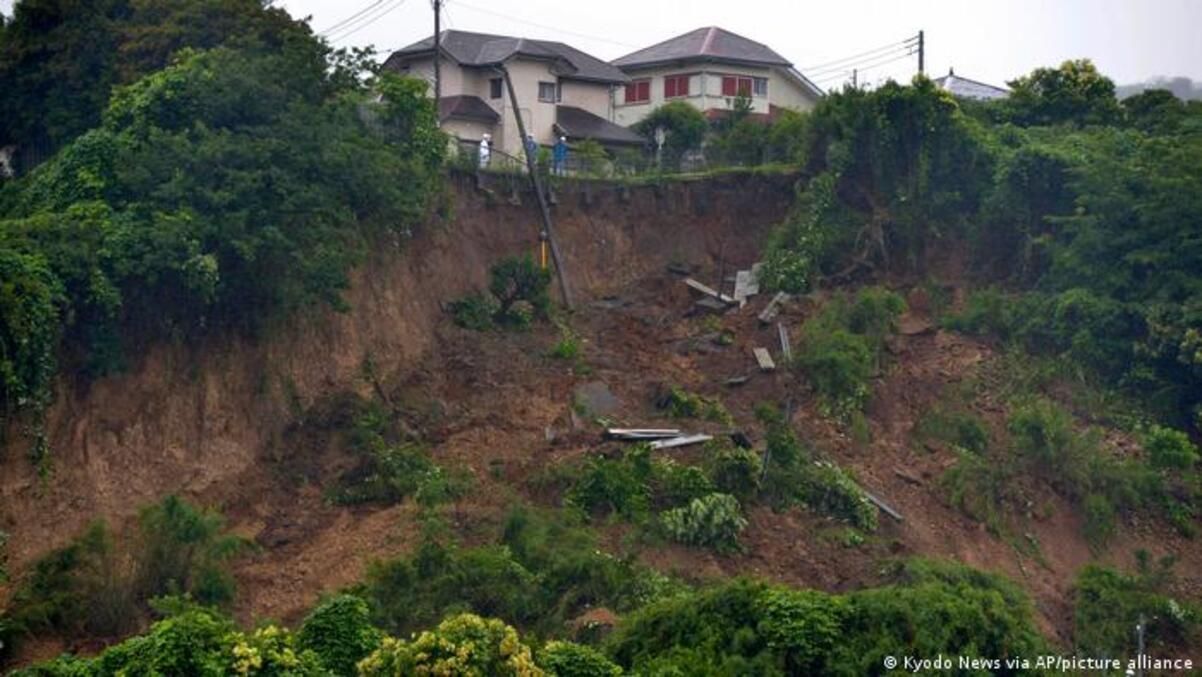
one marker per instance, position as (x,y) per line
(483,49)
(970,89)
(466,107)
(709,44)
(577,123)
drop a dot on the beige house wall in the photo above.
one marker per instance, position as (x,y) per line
(705,90)
(539,116)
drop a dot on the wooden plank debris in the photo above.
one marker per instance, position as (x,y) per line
(737,380)
(884,507)
(708,291)
(682,441)
(907,476)
(764,359)
(641,433)
(786,349)
(773,307)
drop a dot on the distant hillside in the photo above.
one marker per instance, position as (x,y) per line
(1183,88)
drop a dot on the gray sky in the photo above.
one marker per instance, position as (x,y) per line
(990,40)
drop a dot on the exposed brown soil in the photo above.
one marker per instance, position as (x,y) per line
(238,424)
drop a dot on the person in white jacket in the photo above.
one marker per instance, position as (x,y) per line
(485,150)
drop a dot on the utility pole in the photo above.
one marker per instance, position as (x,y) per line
(437,49)
(855,74)
(922,53)
(532,167)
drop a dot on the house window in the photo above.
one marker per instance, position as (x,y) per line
(638,91)
(734,86)
(676,85)
(494,88)
(760,86)
(548,92)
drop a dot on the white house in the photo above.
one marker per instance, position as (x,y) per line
(969,89)
(709,68)
(561,91)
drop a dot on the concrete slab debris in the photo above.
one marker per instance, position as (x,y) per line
(786,348)
(682,441)
(764,359)
(770,311)
(641,433)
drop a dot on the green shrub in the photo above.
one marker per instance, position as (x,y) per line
(684,125)
(874,312)
(802,625)
(567,659)
(388,471)
(986,312)
(462,645)
(960,428)
(340,632)
(734,470)
(1043,432)
(474,311)
(1099,520)
(184,549)
(1169,449)
(713,521)
(1108,604)
(838,364)
(674,483)
(982,487)
(614,485)
(680,403)
(828,489)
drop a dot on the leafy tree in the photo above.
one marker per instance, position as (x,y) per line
(463,645)
(1108,604)
(340,632)
(684,127)
(184,549)
(567,659)
(1073,93)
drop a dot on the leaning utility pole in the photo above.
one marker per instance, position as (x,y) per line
(922,53)
(532,167)
(437,48)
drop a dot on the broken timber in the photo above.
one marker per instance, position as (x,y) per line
(764,359)
(682,441)
(884,507)
(786,350)
(773,307)
(709,291)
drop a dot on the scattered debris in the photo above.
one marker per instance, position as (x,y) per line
(741,439)
(709,305)
(609,303)
(641,433)
(770,311)
(884,507)
(911,325)
(682,441)
(737,380)
(595,399)
(764,359)
(786,349)
(912,479)
(679,269)
(708,291)
(747,283)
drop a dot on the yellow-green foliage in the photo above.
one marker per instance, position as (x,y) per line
(465,645)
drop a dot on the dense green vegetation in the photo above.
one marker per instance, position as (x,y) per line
(217,193)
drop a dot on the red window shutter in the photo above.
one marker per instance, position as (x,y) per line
(730,87)
(682,86)
(744,86)
(631,93)
(669,87)
(645,90)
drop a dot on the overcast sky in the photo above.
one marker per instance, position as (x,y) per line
(990,40)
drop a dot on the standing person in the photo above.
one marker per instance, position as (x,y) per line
(485,150)
(560,156)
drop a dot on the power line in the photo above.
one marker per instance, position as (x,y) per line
(843,74)
(544,26)
(851,63)
(908,42)
(350,18)
(384,10)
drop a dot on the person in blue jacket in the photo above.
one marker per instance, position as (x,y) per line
(559,156)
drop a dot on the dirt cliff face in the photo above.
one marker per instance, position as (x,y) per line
(195,419)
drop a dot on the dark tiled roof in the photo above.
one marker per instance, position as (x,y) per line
(483,49)
(710,43)
(577,123)
(465,106)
